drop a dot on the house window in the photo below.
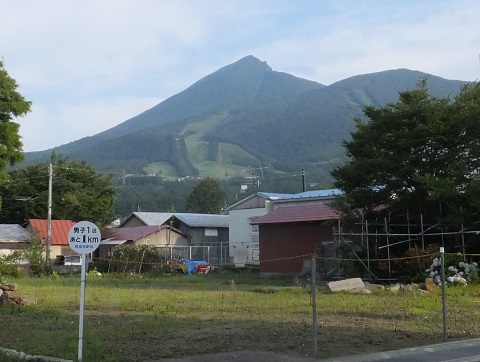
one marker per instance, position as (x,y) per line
(211,232)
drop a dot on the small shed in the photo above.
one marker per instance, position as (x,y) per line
(290,235)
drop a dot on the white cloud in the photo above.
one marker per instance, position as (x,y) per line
(62,123)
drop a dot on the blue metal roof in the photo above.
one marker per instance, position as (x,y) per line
(301,195)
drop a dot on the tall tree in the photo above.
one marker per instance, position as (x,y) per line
(420,154)
(79,193)
(207,197)
(12,104)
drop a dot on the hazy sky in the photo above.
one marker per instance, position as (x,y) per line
(90,65)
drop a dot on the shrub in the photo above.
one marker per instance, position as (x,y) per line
(37,265)
(7,265)
(456,273)
(136,259)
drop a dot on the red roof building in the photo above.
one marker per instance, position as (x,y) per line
(59,235)
(60,229)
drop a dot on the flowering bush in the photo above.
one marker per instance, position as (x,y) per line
(458,274)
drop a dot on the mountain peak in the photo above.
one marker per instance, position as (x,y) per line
(252,61)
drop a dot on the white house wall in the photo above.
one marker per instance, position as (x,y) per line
(243,242)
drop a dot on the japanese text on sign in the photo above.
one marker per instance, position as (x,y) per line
(84,237)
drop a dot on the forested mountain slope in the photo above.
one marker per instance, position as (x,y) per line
(245,116)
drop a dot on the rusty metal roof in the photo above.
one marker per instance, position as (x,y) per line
(288,214)
(60,229)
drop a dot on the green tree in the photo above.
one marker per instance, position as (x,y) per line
(12,104)
(420,154)
(78,193)
(207,197)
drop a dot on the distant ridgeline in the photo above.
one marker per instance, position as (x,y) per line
(244,120)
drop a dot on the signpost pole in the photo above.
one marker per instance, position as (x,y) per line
(82,307)
(444,307)
(84,238)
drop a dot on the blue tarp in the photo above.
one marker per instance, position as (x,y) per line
(192,264)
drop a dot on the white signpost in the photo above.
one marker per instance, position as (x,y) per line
(84,238)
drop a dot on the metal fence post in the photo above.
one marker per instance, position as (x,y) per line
(314,305)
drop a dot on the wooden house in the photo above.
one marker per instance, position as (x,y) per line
(162,236)
(207,234)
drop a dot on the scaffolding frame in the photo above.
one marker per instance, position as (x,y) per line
(382,236)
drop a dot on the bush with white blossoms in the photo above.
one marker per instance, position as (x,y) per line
(454,274)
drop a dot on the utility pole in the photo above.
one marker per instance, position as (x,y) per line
(49,215)
(303,180)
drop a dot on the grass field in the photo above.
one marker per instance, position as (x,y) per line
(130,318)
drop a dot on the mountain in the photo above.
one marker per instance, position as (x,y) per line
(245,117)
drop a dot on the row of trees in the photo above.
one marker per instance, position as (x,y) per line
(78,193)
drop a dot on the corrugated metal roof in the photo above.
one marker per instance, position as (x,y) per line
(273,195)
(193,220)
(298,214)
(14,232)
(153,218)
(130,233)
(60,229)
(204,220)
